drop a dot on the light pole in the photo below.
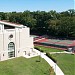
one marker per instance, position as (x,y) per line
(40,55)
(55,66)
(55,63)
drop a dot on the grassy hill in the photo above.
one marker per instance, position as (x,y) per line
(23,66)
(66,62)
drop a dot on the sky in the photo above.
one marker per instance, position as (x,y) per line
(34,5)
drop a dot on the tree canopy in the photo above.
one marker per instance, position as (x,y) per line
(42,22)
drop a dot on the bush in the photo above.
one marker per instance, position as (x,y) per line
(50,56)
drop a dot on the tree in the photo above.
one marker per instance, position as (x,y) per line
(42,22)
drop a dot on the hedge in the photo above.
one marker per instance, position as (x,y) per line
(50,56)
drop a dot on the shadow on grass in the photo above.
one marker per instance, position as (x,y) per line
(37,60)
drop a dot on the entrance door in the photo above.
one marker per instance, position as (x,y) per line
(11,50)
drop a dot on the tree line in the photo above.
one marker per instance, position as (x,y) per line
(41,22)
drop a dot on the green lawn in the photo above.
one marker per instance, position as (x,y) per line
(66,62)
(23,66)
(45,49)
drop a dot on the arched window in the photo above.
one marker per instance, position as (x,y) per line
(11,50)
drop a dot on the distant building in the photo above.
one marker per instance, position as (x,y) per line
(15,40)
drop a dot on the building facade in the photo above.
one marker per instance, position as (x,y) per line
(15,40)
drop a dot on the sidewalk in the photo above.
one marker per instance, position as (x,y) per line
(32,54)
(56,68)
(61,52)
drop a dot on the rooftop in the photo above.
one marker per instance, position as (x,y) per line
(10,23)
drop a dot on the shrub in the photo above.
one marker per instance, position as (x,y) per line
(50,56)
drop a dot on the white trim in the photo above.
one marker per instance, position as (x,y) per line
(11,24)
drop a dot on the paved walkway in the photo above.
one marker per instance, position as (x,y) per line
(61,52)
(32,54)
(56,68)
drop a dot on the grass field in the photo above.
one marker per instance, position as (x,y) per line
(66,62)
(45,49)
(23,66)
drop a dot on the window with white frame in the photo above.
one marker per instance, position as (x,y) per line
(11,50)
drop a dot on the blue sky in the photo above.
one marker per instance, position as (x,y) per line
(34,5)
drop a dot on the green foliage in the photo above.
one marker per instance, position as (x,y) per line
(50,56)
(46,49)
(41,22)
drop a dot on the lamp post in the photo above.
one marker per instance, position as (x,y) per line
(56,63)
(55,66)
(40,55)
